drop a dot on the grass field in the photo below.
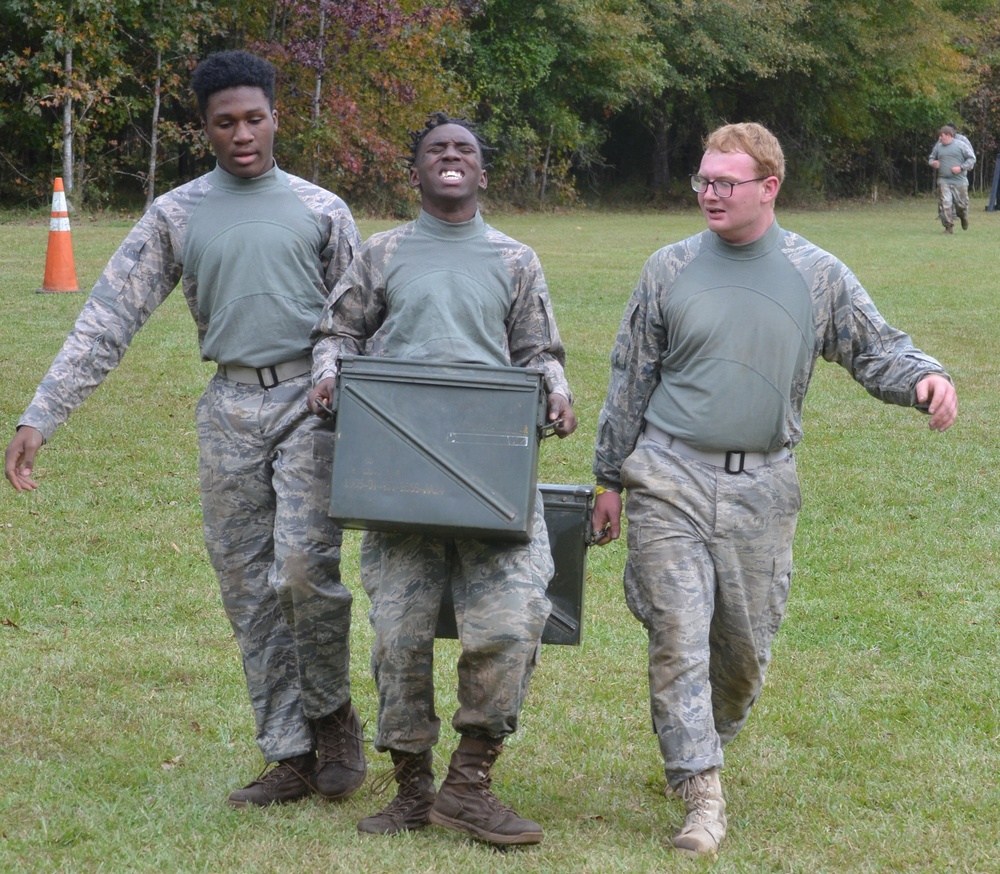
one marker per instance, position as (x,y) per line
(874,748)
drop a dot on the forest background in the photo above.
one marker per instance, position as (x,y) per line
(586,101)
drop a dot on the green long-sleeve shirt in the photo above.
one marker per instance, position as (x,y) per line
(432,290)
(256,259)
(718,344)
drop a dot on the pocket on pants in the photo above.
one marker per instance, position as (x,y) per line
(771,612)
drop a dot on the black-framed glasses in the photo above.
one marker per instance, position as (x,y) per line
(721,187)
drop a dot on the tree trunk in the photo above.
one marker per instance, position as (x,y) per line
(318,94)
(154,134)
(67,120)
(661,155)
(545,164)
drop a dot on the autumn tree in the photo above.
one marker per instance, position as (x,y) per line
(355,78)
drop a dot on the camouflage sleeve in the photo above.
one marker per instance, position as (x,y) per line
(851,332)
(343,242)
(342,237)
(635,365)
(137,279)
(532,335)
(355,309)
(969,157)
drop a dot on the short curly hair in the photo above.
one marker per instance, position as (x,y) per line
(435,120)
(754,140)
(231,69)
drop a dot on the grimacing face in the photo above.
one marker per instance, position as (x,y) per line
(448,170)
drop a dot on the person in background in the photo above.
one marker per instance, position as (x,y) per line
(703,411)
(449,288)
(256,252)
(960,137)
(952,159)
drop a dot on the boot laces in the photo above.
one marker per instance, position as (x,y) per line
(696,792)
(331,740)
(693,789)
(485,787)
(402,773)
(277,775)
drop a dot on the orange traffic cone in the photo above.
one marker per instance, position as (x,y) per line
(60,273)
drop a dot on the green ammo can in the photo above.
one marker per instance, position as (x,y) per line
(441,449)
(568,511)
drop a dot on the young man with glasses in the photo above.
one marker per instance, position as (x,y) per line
(708,375)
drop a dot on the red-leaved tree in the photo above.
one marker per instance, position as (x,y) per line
(354,78)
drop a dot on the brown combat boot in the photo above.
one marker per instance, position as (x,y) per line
(340,750)
(705,824)
(466,804)
(409,809)
(288,780)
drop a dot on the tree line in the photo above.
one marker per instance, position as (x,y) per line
(585,99)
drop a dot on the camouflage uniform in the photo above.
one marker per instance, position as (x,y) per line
(953,190)
(500,611)
(710,553)
(263,456)
(499,588)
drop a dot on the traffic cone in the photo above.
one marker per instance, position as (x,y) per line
(60,273)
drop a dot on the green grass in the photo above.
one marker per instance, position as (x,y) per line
(874,748)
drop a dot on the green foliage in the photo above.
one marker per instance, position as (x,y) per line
(546,77)
(577,95)
(855,88)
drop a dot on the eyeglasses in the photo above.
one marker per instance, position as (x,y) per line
(721,187)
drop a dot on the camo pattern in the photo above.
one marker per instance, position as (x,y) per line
(953,203)
(499,588)
(500,610)
(708,574)
(263,468)
(849,331)
(709,553)
(146,267)
(265,493)
(356,309)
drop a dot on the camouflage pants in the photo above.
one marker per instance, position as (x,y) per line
(953,202)
(500,611)
(264,470)
(708,574)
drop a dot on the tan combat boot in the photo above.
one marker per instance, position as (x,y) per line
(705,824)
(465,802)
(409,809)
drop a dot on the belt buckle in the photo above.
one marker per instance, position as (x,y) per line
(270,371)
(734,455)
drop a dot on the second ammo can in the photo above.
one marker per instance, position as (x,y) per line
(568,511)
